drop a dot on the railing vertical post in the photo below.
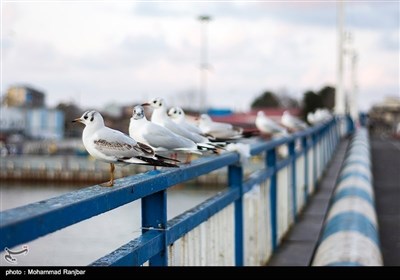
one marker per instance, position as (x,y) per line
(271,163)
(305,152)
(235,180)
(330,142)
(323,147)
(314,146)
(293,179)
(154,215)
(350,125)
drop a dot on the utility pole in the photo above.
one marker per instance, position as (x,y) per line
(204,19)
(354,86)
(340,94)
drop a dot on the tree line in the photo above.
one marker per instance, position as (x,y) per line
(324,98)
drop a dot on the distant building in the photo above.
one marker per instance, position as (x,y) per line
(12,120)
(36,123)
(23,112)
(24,96)
(385,116)
(43,123)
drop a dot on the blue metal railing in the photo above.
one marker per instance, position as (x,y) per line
(26,223)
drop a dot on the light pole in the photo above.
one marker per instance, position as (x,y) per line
(204,19)
(340,99)
(354,86)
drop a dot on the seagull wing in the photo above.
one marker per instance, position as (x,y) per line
(161,137)
(116,144)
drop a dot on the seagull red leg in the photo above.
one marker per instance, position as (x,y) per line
(111,182)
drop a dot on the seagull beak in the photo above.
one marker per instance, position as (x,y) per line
(77,120)
(146,104)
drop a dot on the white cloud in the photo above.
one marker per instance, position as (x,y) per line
(100,52)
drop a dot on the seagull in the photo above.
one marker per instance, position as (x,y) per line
(292,122)
(268,126)
(178,116)
(219,130)
(161,118)
(320,115)
(311,118)
(115,147)
(156,136)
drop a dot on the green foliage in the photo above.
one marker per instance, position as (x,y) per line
(327,97)
(267,100)
(324,98)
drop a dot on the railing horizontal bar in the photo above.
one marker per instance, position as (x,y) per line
(256,178)
(135,252)
(31,221)
(283,163)
(142,248)
(190,219)
(263,146)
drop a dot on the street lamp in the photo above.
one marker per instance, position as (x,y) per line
(204,19)
(340,98)
(354,87)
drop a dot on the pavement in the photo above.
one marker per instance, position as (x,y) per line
(386,171)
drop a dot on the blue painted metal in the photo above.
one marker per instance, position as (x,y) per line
(354,174)
(351,221)
(235,180)
(304,145)
(271,163)
(135,252)
(350,125)
(190,219)
(314,140)
(257,178)
(353,191)
(359,162)
(360,219)
(293,181)
(154,215)
(344,264)
(29,222)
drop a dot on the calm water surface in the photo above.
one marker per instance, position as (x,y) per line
(89,240)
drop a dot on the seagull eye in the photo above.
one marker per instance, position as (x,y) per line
(155,101)
(85,117)
(92,118)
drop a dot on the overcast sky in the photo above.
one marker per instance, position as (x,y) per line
(96,53)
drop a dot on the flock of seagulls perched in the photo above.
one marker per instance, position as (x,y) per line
(156,142)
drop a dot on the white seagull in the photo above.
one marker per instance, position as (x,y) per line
(178,116)
(311,118)
(292,122)
(268,126)
(158,137)
(219,130)
(161,118)
(113,146)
